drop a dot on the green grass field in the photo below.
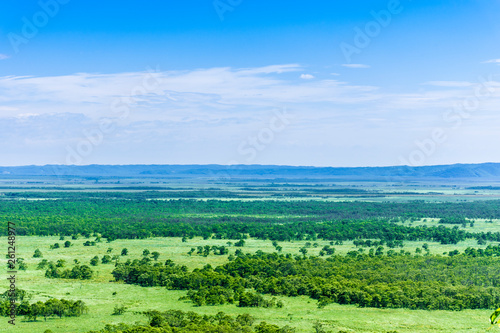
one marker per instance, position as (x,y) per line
(299,312)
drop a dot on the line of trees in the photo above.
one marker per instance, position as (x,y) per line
(50,308)
(217,295)
(79,272)
(175,321)
(275,220)
(396,280)
(205,250)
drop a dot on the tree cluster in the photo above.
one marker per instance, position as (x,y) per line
(394,280)
(50,308)
(174,321)
(80,272)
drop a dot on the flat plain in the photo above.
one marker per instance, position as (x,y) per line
(101,293)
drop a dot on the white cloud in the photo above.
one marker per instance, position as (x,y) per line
(492,61)
(272,69)
(3,56)
(202,115)
(221,88)
(449,83)
(306,76)
(356,65)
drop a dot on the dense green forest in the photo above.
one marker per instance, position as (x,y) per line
(396,280)
(275,220)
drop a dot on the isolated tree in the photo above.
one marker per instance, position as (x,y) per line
(85,272)
(145,253)
(106,259)
(37,254)
(245,319)
(119,310)
(42,264)
(94,261)
(155,255)
(206,250)
(124,252)
(67,243)
(35,310)
(318,327)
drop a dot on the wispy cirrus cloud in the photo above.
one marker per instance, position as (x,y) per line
(206,112)
(221,88)
(492,61)
(356,65)
(307,76)
(3,56)
(453,84)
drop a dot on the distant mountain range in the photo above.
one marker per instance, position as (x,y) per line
(484,171)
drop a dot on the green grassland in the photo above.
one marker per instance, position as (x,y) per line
(480,225)
(300,312)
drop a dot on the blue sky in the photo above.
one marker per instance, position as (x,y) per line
(327,83)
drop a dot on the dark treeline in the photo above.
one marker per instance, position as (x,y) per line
(174,321)
(454,220)
(78,272)
(50,308)
(275,220)
(137,194)
(489,251)
(487,209)
(394,280)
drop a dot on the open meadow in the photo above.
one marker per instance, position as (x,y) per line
(299,312)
